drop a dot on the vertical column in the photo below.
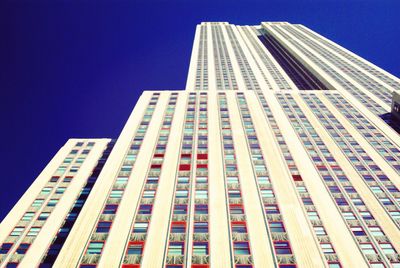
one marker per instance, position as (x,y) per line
(346,248)
(261,247)
(210,60)
(53,223)
(194,60)
(317,70)
(301,236)
(154,253)
(232,57)
(378,159)
(370,201)
(249,57)
(119,235)
(220,246)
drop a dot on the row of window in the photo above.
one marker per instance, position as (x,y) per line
(384,190)
(275,222)
(135,247)
(41,208)
(337,184)
(305,197)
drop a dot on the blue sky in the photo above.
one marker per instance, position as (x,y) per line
(76,68)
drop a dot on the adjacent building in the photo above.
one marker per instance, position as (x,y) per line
(275,155)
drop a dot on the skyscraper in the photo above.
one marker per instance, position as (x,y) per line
(276,155)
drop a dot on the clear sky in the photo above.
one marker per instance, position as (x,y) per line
(76,68)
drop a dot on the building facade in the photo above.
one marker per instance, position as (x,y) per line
(275,155)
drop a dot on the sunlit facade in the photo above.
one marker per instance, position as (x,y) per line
(275,155)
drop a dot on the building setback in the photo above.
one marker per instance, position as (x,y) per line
(275,155)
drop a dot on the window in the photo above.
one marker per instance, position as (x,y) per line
(282,247)
(201,179)
(60,190)
(233,193)
(357,201)
(17,231)
(201,227)
(201,209)
(23,248)
(313,215)
(366,215)
(367,248)
(68,178)
(28,216)
(140,227)
(263,180)
(201,194)
(43,216)
(200,248)
(175,248)
(184,167)
(327,248)
(301,189)
(376,189)
(52,202)
(152,180)
(277,227)
(236,209)
(232,180)
(149,193)
(63,232)
(110,209)
(181,194)
(5,247)
(183,180)
(33,231)
(121,180)
(395,214)
(241,248)
(135,248)
(376,231)
(54,179)
(180,209)
(116,193)
(377,265)
(239,227)
(357,231)
(271,209)
(95,247)
(267,193)
(319,230)
(387,248)
(103,227)
(178,227)
(37,202)
(46,190)
(71,216)
(307,201)
(349,215)
(145,209)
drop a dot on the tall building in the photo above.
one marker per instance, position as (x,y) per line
(277,154)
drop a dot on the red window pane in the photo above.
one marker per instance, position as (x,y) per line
(155,166)
(202,156)
(297,178)
(202,166)
(184,167)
